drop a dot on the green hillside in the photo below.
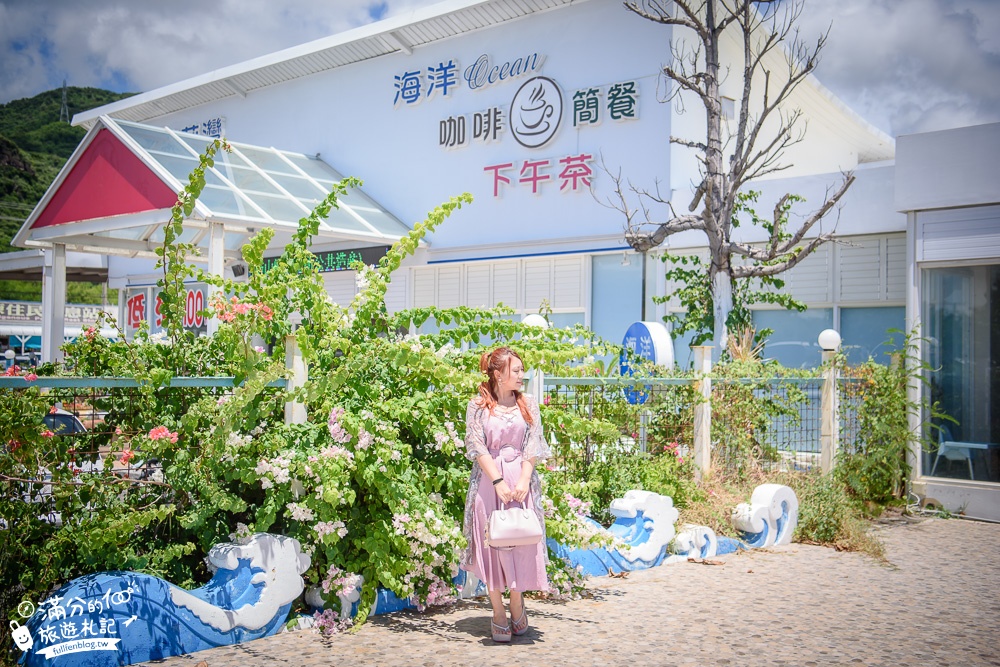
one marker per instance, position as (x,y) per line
(34,145)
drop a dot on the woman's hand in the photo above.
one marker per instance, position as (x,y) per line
(503,492)
(521,490)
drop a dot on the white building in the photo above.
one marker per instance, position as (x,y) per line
(518,102)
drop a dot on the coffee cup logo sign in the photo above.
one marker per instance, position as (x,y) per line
(535,112)
(533,117)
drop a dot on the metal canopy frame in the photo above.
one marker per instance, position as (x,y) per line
(246,190)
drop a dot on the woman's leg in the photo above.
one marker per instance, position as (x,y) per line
(499,613)
(516,604)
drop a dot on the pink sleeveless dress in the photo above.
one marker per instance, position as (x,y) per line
(508,439)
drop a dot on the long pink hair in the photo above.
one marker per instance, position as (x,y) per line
(490,363)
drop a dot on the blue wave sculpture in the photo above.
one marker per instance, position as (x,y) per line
(121,618)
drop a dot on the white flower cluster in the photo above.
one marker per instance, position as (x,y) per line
(324,528)
(277,468)
(300,512)
(242,534)
(432,545)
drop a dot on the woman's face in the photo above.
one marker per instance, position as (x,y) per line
(513,378)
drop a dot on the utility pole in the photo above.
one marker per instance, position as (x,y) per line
(64,109)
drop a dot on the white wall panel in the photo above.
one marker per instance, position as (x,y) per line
(567,283)
(895,264)
(537,282)
(340,286)
(810,281)
(423,286)
(395,293)
(860,270)
(449,286)
(958,234)
(505,283)
(477,285)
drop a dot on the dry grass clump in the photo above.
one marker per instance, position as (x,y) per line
(827,515)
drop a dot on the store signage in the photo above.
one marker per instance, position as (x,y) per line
(650,341)
(339,260)
(482,73)
(22,311)
(533,117)
(213,127)
(414,86)
(143,304)
(535,112)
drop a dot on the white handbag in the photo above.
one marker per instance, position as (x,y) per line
(513,527)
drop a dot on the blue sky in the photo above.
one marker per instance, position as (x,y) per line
(905,65)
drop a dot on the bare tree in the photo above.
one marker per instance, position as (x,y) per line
(766,126)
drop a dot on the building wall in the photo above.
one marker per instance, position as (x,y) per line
(348,116)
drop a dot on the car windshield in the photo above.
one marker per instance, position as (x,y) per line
(63,424)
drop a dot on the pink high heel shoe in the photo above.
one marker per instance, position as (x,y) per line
(520,626)
(501,633)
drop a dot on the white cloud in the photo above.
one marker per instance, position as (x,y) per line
(140,46)
(906,66)
(911,66)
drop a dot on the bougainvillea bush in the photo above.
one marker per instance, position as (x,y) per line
(372,482)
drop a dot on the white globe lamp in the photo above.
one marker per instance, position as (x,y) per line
(829,340)
(535,320)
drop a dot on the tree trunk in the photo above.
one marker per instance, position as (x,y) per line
(722,305)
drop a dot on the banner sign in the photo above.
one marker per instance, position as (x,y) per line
(142,304)
(339,260)
(24,311)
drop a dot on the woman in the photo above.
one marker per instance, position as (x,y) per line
(503,438)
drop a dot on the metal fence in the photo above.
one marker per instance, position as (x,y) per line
(770,424)
(98,421)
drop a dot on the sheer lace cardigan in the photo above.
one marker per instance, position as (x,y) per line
(533,447)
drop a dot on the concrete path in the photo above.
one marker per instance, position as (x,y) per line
(938,603)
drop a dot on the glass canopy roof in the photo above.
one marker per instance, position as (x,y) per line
(263,186)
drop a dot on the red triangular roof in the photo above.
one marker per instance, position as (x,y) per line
(106,180)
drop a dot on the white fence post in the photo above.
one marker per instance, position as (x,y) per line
(830,413)
(703,410)
(295,412)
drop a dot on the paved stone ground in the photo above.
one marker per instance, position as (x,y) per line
(938,603)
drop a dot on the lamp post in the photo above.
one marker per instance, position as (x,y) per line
(8,356)
(829,342)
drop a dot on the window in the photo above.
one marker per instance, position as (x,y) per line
(961,328)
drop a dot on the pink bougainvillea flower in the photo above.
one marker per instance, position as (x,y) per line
(53,410)
(47,433)
(30,377)
(546,400)
(127,455)
(118,430)
(265,311)
(162,433)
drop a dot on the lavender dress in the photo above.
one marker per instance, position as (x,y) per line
(508,439)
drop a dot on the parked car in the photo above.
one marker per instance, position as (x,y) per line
(62,422)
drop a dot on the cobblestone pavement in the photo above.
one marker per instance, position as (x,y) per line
(938,603)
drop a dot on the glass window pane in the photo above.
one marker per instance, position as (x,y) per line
(961,330)
(793,343)
(340,219)
(220,200)
(865,333)
(278,207)
(179,167)
(313,167)
(266,160)
(248,179)
(155,140)
(298,187)
(383,222)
